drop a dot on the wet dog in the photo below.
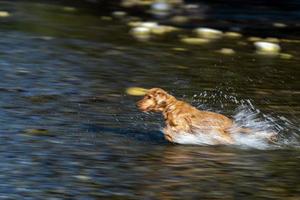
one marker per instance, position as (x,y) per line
(182,118)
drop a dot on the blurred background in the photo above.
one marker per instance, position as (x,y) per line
(69,127)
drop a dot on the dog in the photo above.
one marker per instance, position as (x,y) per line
(181,117)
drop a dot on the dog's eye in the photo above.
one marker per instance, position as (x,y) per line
(147,97)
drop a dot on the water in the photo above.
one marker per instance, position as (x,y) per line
(68,130)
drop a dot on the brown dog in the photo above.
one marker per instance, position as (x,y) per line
(181,117)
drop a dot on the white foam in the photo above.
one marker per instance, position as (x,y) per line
(257,139)
(254,140)
(199,139)
(261,125)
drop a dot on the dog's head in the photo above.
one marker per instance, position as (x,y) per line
(155,99)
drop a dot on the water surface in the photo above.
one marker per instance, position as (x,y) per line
(68,130)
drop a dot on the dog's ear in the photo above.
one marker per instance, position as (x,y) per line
(161,98)
(163,104)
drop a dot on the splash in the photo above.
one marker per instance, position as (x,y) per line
(262,127)
(255,139)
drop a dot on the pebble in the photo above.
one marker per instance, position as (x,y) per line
(149,24)
(128,3)
(179,49)
(226,51)
(181,67)
(144,2)
(4,14)
(230,34)
(254,39)
(195,41)
(157,4)
(69,9)
(141,33)
(37,132)
(133,19)
(191,6)
(179,20)
(208,33)
(267,48)
(136,91)
(134,23)
(82,177)
(22,71)
(271,39)
(285,56)
(119,14)
(106,18)
(160,8)
(279,25)
(242,43)
(143,30)
(132,3)
(290,41)
(176,2)
(45,38)
(162,29)
(268,39)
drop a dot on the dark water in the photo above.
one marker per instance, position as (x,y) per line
(68,130)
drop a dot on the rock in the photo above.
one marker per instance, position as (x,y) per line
(279,25)
(290,41)
(134,23)
(132,3)
(195,41)
(143,30)
(181,67)
(133,19)
(271,39)
(267,48)
(69,9)
(141,33)
(162,29)
(46,38)
(22,71)
(106,18)
(226,51)
(160,8)
(176,2)
(128,3)
(179,20)
(208,33)
(191,6)
(179,49)
(119,14)
(230,34)
(145,2)
(149,24)
(285,56)
(82,177)
(136,91)
(254,39)
(4,14)
(37,132)
(268,39)
(242,43)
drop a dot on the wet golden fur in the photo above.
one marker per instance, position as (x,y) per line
(181,117)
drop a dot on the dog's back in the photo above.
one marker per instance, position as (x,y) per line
(196,119)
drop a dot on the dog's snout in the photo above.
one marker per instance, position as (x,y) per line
(139,104)
(143,105)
